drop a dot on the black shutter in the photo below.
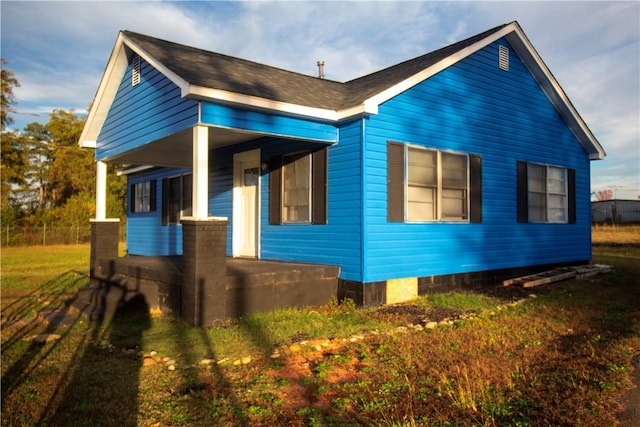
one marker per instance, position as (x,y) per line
(275,191)
(132,198)
(523,192)
(319,187)
(152,195)
(475,192)
(165,201)
(571,195)
(395,182)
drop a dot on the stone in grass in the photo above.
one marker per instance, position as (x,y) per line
(148,361)
(207,361)
(43,338)
(244,361)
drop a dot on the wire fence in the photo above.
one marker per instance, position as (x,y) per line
(48,235)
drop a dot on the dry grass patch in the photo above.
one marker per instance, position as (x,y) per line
(563,358)
(616,235)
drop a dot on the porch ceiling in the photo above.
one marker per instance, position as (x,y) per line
(176,150)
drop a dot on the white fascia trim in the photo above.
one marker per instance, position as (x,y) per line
(406,84)
(105,95)
(206,93)
(555,93)
(177,80)
(117,66)
(133,170)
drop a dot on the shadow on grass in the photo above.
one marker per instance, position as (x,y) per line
(100,383)
(19,315)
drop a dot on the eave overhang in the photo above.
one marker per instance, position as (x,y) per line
(522,46)
(512,32)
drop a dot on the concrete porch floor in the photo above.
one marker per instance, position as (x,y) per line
(252,285)
(170,267)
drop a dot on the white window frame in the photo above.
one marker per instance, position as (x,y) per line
(142,197)
(285,209)
(548,194)
(439,188)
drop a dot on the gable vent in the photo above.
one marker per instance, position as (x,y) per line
(503,58)
(135,71)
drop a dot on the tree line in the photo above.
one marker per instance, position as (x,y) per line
(46,177)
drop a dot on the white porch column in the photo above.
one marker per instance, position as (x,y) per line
(200,172)
(101,191)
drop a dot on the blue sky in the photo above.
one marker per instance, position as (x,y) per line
(58,50)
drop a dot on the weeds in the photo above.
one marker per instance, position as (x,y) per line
(563,358)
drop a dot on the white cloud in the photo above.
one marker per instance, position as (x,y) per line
(58,50)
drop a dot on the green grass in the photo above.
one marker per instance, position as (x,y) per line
(563,358)
(26,268)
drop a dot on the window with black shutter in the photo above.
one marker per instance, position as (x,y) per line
(142,196)
(425,185)
(545,193)
(298,188)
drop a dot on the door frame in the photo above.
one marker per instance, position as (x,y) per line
(253,157)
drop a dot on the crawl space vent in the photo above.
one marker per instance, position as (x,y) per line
(135,71)
(503,58)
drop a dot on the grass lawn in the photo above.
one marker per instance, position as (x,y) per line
(561,358)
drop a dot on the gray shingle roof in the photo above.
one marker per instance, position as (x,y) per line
(217,71)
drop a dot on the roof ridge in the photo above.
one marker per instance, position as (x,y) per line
(207,68)
(223,55)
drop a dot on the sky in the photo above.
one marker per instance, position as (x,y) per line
(58,50)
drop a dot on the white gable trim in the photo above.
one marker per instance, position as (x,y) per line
(523,47)
(404,85)
(555,93)
(205,93)
(117,65)
(105,95)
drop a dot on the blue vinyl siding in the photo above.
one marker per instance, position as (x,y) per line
(335,243)
(268,124)
(339,241)
(143,113)
(471,107)
(145,233)
(474,107)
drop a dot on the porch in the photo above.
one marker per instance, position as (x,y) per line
(251,286)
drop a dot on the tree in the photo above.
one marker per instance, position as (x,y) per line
(46,176)
(14,161)
(72,170)
(9,81)
(12,172)
(604,195)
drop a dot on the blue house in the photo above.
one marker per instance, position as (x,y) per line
(459,166)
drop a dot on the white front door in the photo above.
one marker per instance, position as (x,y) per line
(246,203)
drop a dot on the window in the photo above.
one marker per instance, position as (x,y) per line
(545,193)
(176,198)
(298,188)
(437,185)
(143,197)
